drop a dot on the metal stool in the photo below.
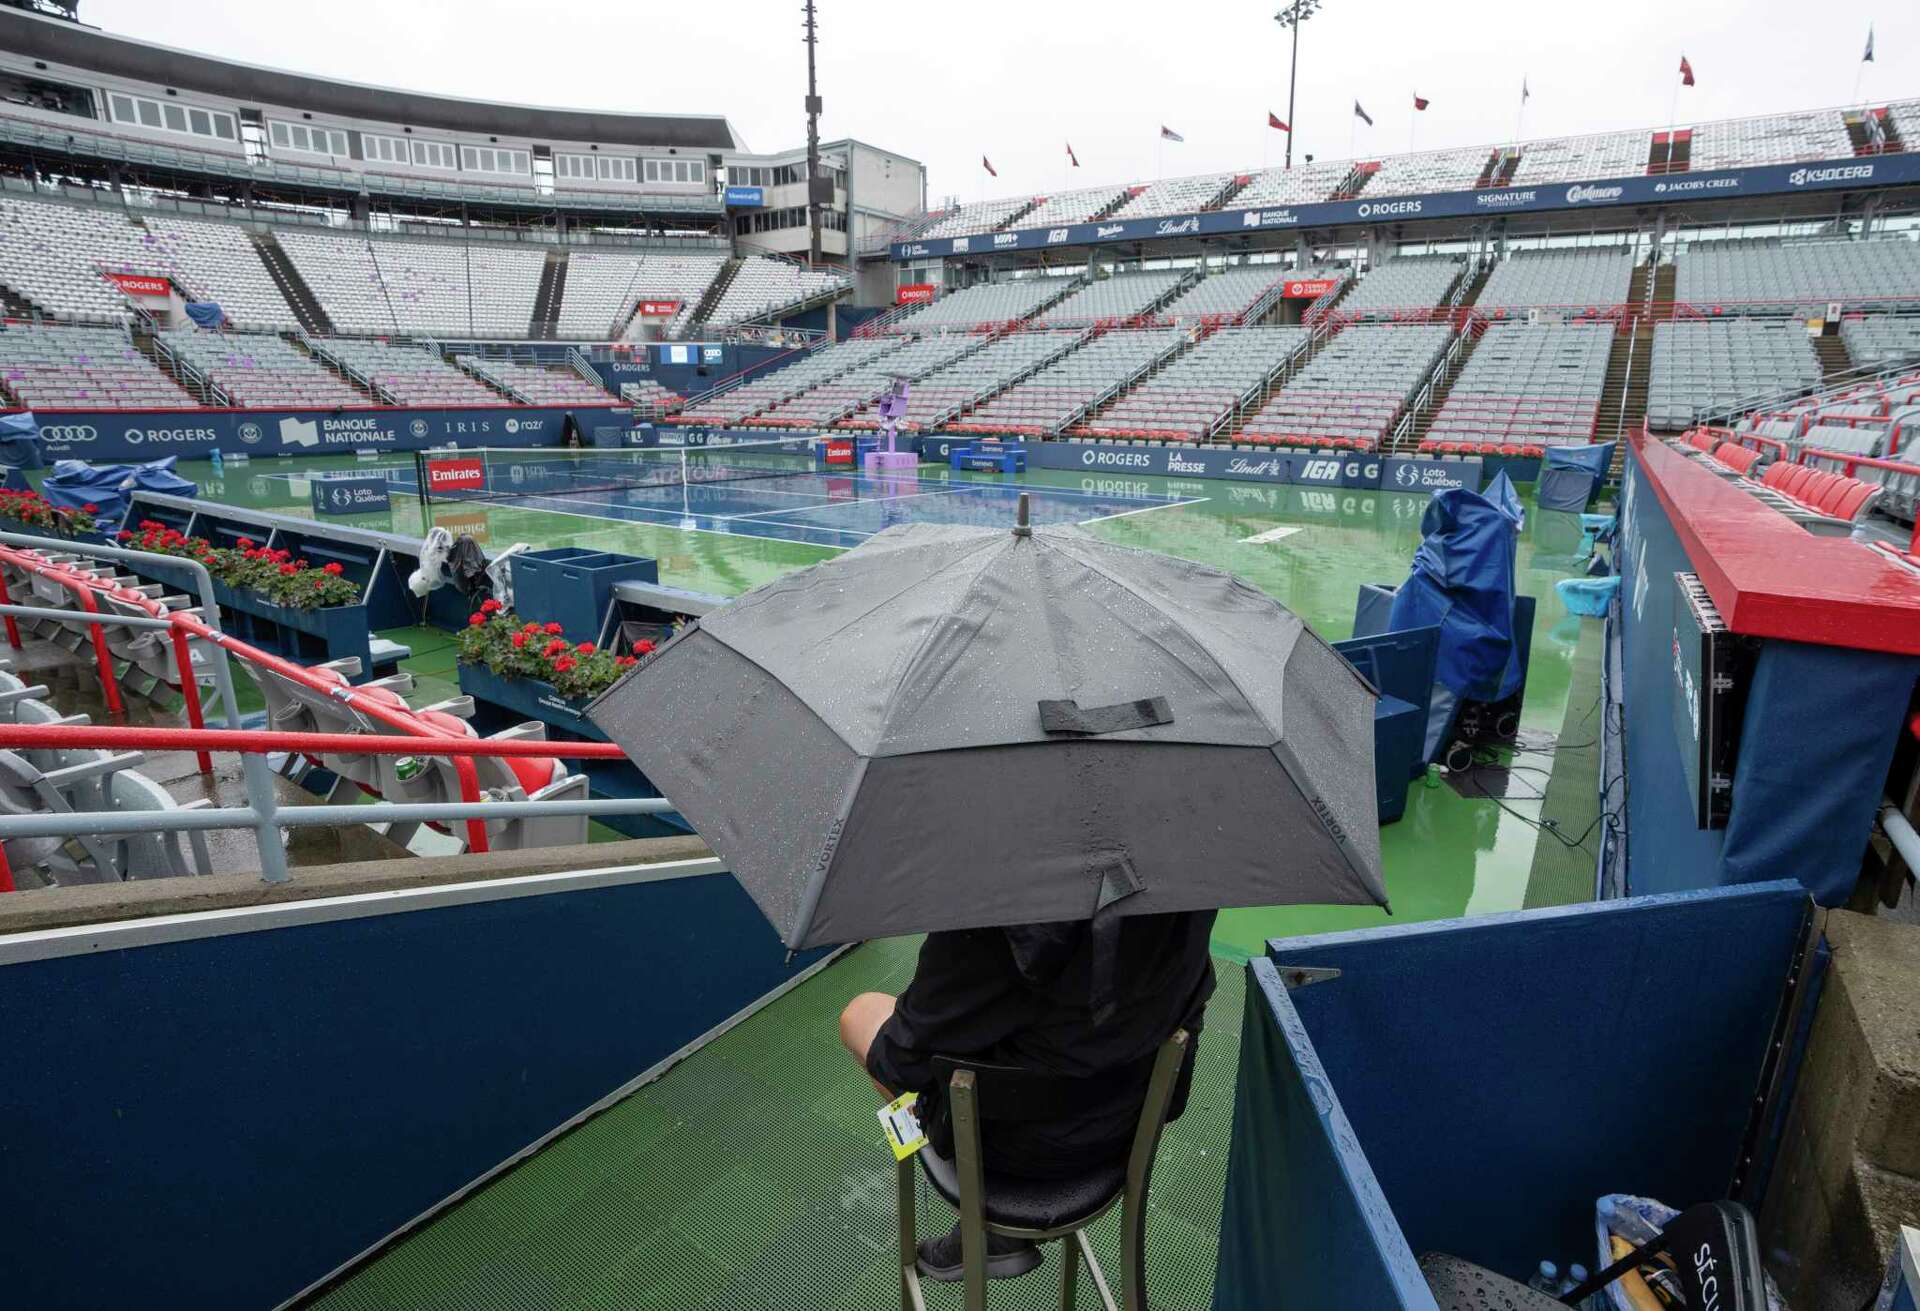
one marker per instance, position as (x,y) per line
(1039,1210)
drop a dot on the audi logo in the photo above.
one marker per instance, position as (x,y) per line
(69,434)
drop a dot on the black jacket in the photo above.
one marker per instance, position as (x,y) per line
(1023,996)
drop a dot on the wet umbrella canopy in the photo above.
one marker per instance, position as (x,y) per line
(961,727)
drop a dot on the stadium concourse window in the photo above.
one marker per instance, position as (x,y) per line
(307,140)
(675,170)
(169,117)
(434,154)
(778,220)
(490,159)
(596,168)
(384,150)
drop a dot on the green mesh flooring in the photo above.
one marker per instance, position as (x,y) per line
(754,1175)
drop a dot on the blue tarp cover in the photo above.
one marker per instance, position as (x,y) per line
(75,483)
(1595,459)
(20,440)
(206,313)
(1462,580)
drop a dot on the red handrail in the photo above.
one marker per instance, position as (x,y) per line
(258,742)
(82,589)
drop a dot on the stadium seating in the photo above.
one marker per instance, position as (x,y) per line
(1070,207)
(973,377)
(1701,368)
(1818,491)
(1526,386)
(407,375)
(982,216)
(379,285)
(536,384)
(984,303)
(1351,394)
(1117,299)
(1557,283)
(1057,394)
(70,368)
(55,256)
(1174,196)
(1881,341)
(1403,288)
(1224,294)
(219,262)
(648,394)
(1766,277)
(1303,184)
(1580,159)
(854,390)
(1772,139)
(812,368)
(261,370)
(1432,170)
(603,286)
(763,287)
(1199,390)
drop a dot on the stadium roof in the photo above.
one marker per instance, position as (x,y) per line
(62,42)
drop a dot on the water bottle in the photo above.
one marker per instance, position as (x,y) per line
(1546,1279)
(215,460)
(1576,1276)
(1627,1222)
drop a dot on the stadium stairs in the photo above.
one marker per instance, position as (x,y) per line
(19,307)
(1013,220)
(1283,373)
(1438,387)
(500,389)
(545,320)
(1835,365)
(299,342)
(1623,396)
(1862,145)
(1120,198)
(293,289)
(1356,181)
(193,383)
(715,290)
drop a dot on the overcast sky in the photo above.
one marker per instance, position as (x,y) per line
(1017,79)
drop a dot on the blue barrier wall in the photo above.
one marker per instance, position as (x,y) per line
(194,434)
(1473,1086)
(222,1120)
(1816,738)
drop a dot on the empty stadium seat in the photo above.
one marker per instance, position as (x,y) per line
(603,287)
(261,370)
(1225,294)
(1557,283)
(1352,393)
(1202,388)
(984,303)
(1057,394)
(742,402)
(389,284)
(1116,299)
(1526,386)
(1797,278)
(536,384)
(1881,341)
(67,368)
(763,288)
(974,377)
(406,375)
(854,390)
(1702,368)
(219,262)
(1401,288)
(1174,196)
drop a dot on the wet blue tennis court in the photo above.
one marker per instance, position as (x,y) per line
(831,510)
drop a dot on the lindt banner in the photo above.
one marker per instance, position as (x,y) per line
(913,293)
(140,284)
(1309,288)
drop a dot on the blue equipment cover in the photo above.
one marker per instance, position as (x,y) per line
(20,440)
(1595,459)
(1462,580)
(206,313)
(108,487)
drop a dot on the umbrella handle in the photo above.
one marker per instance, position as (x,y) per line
(1021,526)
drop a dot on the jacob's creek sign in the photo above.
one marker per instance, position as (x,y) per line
(1899,169)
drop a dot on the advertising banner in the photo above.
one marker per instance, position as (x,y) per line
(140,284)
(194,434)
(913,293)
(1328,470)
(456,475)
(1309,288)
(1420,475)
(837,451)
(1766,180)
(745,197)
(659,309)
(351,493)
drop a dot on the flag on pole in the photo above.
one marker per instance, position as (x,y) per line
(1868,57)
(1168,134)
(1075,159)
(1686,72)
(1273,121)
(987,164)
(1524,93)
(1420,101)
(1362,114)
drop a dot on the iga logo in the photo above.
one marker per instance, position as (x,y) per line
(1056,235)
(298,432)
(1577,195)
(69,434)
(1320,471)
(418,427)
(249,432)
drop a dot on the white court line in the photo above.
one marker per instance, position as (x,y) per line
(837,505)
(674,521)
(1271,535)
(1149,509)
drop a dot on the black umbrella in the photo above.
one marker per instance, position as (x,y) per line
(962,727)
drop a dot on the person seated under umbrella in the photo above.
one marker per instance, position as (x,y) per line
(1037,996)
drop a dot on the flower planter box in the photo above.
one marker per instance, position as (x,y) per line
(501,702)
(573,586)
(309,636)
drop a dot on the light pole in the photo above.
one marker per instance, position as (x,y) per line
(1291,17)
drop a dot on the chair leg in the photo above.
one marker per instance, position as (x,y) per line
(1094,1271)
(1133,1255)
(1069,1274)
(909,1241)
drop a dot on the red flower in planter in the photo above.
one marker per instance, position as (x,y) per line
(644,646)
(585,648)
(91,508)
(123,536)
(554,648)
(475,621)
(563,665)
(245,543)
(530,628)
(319,583)
(519,641)
(551,630)
(333,570)
(491,607)
(626,662)
(288,570)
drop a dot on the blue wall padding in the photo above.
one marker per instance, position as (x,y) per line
(1815,746)
(1499,1074)
(1305,1223)
(221,1121)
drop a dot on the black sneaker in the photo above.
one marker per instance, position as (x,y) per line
(1007,1258)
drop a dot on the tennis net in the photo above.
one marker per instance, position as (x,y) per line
(498,474)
